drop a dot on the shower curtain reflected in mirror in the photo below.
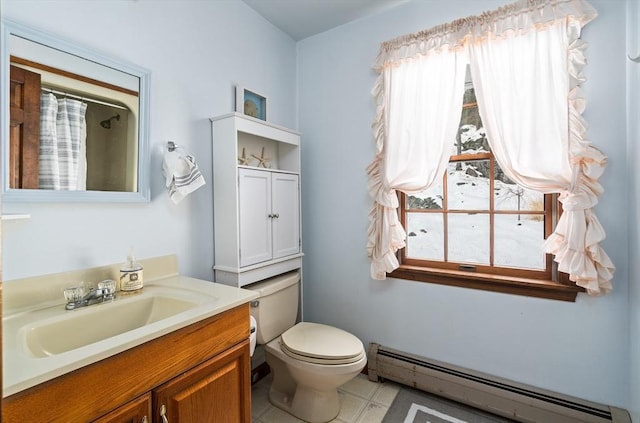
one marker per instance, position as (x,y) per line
(63,143)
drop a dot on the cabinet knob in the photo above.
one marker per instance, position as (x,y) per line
(144,420)
(273,215)
(163,414)
(277,215)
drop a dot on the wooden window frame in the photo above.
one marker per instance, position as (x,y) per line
(553,290)
(555,285)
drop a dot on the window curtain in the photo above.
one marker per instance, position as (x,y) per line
(419,108)
(526,60)
(63,137)
(527,85)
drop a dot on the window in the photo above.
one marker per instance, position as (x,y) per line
(477,228)
(533,108)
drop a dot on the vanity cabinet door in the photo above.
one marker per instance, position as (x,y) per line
(218,390)
(136,411)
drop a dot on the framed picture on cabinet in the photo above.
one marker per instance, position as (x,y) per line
(251,103)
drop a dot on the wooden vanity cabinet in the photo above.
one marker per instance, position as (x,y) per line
(201,373)
(215,391)
(136,411)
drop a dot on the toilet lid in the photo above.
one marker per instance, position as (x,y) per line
(317,343)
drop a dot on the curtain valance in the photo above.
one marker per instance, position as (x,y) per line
(519,17)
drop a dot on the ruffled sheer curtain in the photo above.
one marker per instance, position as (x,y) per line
(524,81)
(526,60)
(419,108)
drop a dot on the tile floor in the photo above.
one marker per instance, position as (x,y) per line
(362,401)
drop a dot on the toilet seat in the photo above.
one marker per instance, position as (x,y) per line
(321,344)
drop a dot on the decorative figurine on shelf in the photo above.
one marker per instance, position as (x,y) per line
(243,160)
(262,160)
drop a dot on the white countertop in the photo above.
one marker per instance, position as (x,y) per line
(22,369)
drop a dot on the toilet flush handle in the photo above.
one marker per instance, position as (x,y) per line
(255,303)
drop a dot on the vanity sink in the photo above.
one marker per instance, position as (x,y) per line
(42,340)
(51,332)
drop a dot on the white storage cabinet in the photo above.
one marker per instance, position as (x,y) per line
(256,209)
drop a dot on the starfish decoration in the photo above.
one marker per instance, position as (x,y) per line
(262,160)
(243,160)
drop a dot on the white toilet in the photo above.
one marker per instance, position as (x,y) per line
(309,361)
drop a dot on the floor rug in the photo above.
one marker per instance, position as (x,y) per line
(414,406)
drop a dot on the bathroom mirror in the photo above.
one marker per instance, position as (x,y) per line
(74,121)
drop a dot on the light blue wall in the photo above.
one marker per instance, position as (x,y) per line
(580,348)
(633,141)
(196,51)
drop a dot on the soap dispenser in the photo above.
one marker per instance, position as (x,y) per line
(131,279)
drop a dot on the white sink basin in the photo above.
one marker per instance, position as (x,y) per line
(44,341)
(84,326)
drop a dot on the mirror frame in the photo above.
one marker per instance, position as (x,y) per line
(10,195)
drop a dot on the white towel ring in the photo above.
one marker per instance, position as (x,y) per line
(636,60)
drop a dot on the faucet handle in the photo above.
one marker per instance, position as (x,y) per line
(108,288)
(73,293)
(107,285)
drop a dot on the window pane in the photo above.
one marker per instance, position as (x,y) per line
(510,196)
(428,199)
(425,239)
(468,185)
(518,241)
(469,238)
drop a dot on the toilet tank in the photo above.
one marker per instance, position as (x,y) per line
(276,308)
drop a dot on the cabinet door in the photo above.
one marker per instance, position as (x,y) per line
(219,390)
(254,187)
(136,411)
(285,208)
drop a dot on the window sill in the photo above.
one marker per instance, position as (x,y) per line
(508,285)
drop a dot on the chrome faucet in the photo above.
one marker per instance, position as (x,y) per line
(75,299)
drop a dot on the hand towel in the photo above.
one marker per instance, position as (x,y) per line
(182,175)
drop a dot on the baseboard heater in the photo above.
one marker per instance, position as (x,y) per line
(503,397)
